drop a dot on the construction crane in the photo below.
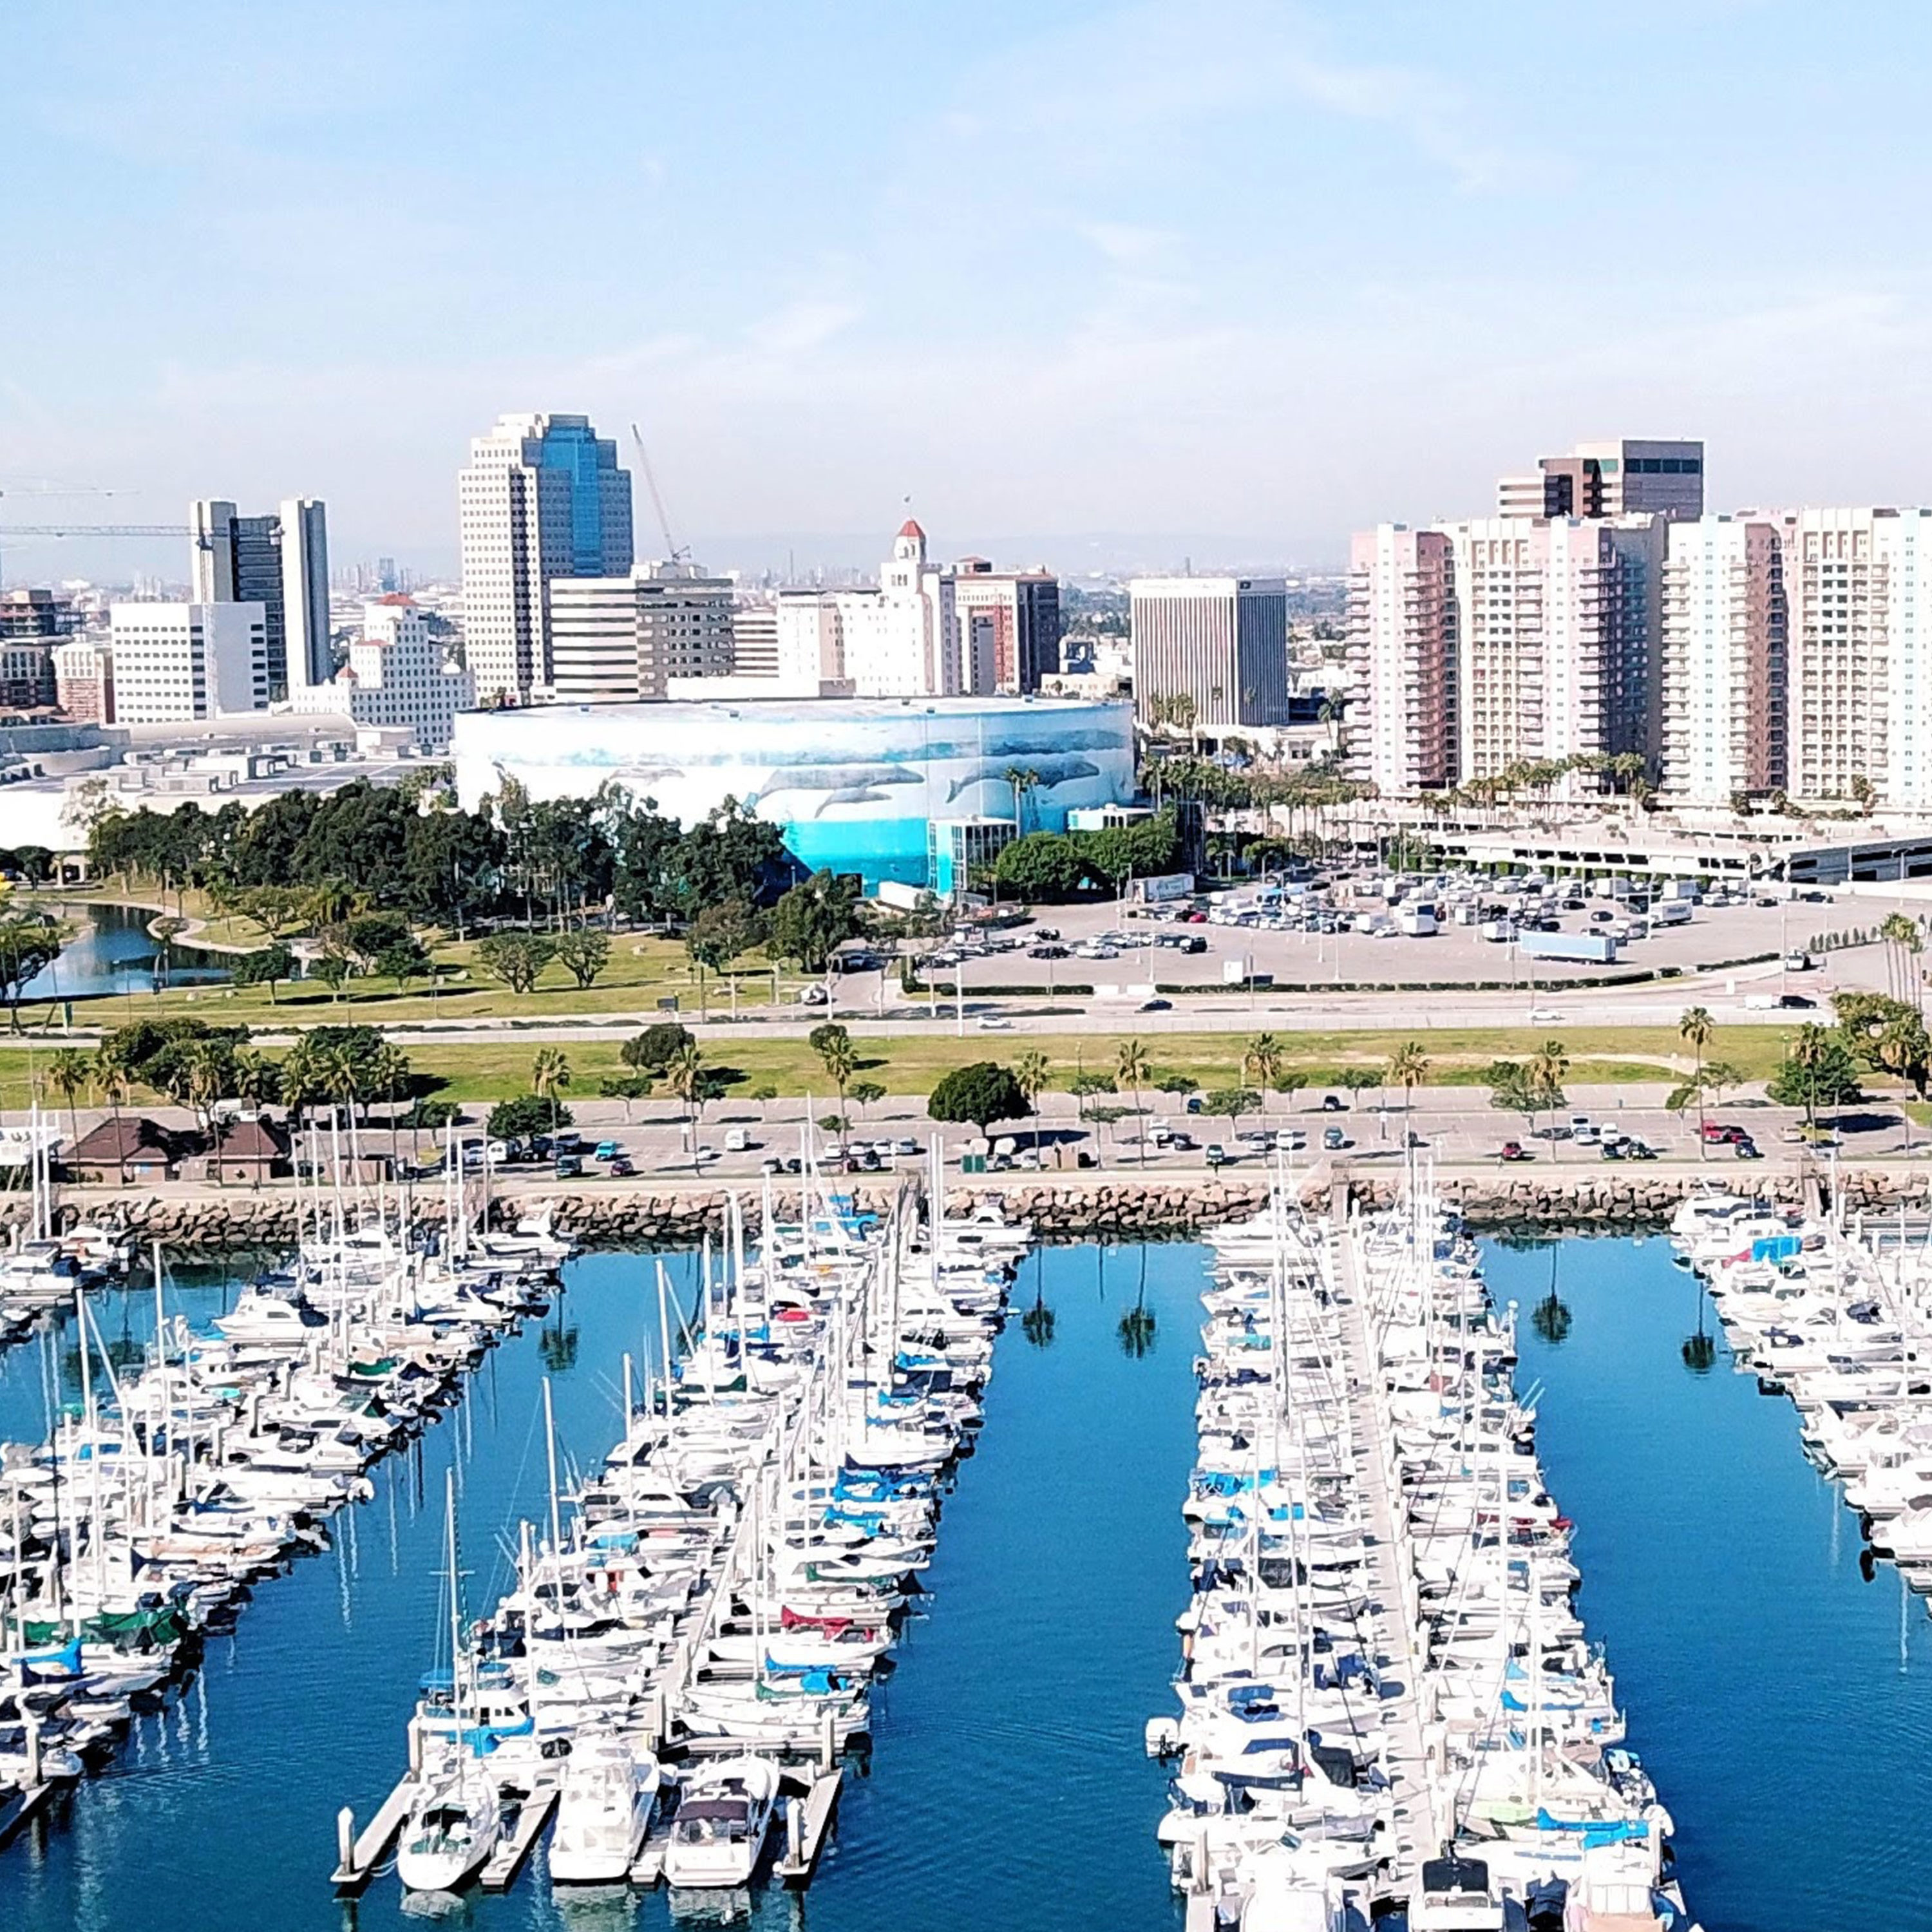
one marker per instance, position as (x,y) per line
(673,553)
(11,532)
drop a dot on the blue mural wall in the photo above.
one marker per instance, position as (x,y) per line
(854,783)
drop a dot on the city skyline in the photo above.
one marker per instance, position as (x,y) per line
(1200,341)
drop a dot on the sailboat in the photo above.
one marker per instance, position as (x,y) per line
(455,1822)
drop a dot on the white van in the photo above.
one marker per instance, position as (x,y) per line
(736,1140)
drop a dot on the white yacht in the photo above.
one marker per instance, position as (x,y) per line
(604,1812)
(723,1819)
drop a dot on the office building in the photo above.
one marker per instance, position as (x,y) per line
(84,680)
(279,561)
(1722,661)
(175,663)
(1503,642)
(1218,644)
(543,498)
(618,640)
(398,677)
(1624,476)
(1009,627)
(1402,652)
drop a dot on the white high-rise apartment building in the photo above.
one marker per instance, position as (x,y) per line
(398,675)
(619,640)
(279,561)
(900,640)
(1402,652)
(177,663)
(1220,642)
(1501,642)
(543,498)
(1722,667)
(754,640)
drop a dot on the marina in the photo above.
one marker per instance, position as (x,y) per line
(329,1655)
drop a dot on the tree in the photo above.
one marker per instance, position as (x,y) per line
(258,1079)
(332,969)
(1358,1079)
(1130,1070)
(1029,1075)
(1409,1067)
(114,1087)
(1043,868)
(833,1045)
(810,922)
(517,959)
(716,937)
(68,1072)
(1549,1068)
(1696,1028)
(980,1093)
(1819,1071)
(1511,1090)
(390,1076)
(402,961)
(653,1050)
(28,947)
(265,966)
(583,953)
(550,1075)
(864,1094)
(280,911)
(684,1076)
(525,1116)
(1289,1082)
(1233,1102)
(626,1087)
(372,934)
(1262,1057)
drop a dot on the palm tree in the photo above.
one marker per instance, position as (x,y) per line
(1409,1067)
(841,1058)
(1030,1073)
(1130,1070)
(1262,1057)
(685,1077)
(1696,1028)
(68,1071)
(1549,1068)
(113,1081)
(389,1074)
(1808,1048)
(1023,778)
(550,1075)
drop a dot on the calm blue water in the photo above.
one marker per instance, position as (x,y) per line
(1006,1786)
(110,951)
(1783,1703)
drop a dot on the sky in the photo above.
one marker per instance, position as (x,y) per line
(1094,285)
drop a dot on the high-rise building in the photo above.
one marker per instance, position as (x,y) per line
(279,561)
(1501,642)
(1010,626)
(175,663)
(26,673)
(84,680)
(619,640)
(544,497)
(37,613)
(901,640)
(396,675)
(1622,476)
(1219,642)
(1402,650)
(1722,668)
(754,640)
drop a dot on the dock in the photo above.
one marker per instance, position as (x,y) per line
(18,1809)
(1393,1581)
(501,1867)
(358,1856)
(648,1867)
(807,1821)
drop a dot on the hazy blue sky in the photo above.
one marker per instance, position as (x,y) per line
(1264,272)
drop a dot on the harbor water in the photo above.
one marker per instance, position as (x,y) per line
(1783,1702)
(110,951)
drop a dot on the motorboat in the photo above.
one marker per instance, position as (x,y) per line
(603,1812)
(718,1834)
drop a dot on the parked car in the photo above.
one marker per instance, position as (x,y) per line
(1514,1150)
(607,1150)
(1333,1103)
(621,1166)
(1718,1133)
(1746,1149)
(1216,1155)
(569,1166)
(737,1140)
(1333,1138)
